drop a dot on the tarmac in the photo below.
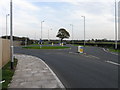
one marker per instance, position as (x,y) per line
(32,72)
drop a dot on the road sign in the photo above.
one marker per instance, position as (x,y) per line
(40,41)
(80,49)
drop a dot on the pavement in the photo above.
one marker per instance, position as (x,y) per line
(95,69)
(32,72)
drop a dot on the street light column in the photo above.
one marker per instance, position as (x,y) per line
(6,24)
(72,32)
(11,36)
(48,34)
(115,27)
(41,31)
(84,29)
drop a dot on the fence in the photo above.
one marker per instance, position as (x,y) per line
(4,52)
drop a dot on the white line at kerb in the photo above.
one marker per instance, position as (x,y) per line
(109,52)
(113,63)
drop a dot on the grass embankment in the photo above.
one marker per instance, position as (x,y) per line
(7,74)
(47,47)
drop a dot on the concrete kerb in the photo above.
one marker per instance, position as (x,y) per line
(107,50)
(59,83)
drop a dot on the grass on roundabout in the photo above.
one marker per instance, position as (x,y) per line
(46,47)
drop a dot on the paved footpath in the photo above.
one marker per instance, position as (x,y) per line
(32,72)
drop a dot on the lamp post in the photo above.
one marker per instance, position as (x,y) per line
(115,27)
(48,34)
(72,32)
(6,25)
(11,36)
(41,31)
(25,41)
(84,29)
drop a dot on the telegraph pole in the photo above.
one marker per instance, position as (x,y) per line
(11,36)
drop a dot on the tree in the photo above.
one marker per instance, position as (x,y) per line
(62,33)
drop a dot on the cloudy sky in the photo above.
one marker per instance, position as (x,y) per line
(28,14)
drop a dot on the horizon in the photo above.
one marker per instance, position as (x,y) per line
(63,39)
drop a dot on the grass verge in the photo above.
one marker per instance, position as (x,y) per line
(47,47)
(7,74)
(114,50)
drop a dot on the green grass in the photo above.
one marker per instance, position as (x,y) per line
(114,50)
(40,44)
(47,47)
(99,42)
(7,74)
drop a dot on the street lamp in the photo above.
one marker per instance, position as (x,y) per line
(41,31)
(84,29)
(11,36)
(115,26)
(6,25)
(72,32)
(48,34)
(25,41)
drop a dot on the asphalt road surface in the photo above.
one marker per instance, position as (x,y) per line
(95,69)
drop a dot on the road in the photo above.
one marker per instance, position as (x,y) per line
(90,70)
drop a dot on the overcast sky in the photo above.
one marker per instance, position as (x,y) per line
(28,14)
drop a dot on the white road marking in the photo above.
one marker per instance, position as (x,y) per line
(104,50)
(91,56)
(58,80)
(84,54)
(2,81)
(73,52)
(109,52)
(113,63)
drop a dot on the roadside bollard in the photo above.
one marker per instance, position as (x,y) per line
(62,44)
(80,49)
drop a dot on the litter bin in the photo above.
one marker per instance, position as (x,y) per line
(80,49)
